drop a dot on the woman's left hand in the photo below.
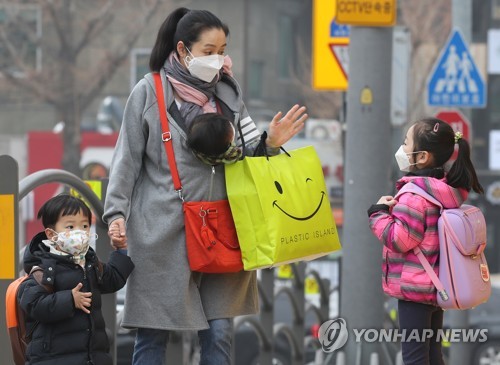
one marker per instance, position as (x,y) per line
(282,129)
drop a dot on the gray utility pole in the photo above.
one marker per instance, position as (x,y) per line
(460,353)
(368,161)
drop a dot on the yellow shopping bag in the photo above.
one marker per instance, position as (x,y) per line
(281,208)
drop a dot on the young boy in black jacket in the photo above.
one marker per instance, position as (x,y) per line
(66,322)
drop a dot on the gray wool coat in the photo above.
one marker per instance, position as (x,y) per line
(162,292)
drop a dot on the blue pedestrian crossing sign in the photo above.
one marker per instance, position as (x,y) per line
(339,30)
(455,80)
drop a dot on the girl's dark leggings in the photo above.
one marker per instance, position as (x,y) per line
(417,316)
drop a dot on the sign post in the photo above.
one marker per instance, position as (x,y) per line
(368,122)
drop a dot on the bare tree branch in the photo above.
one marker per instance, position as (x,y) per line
(107,67)
(15,57)
(23,27)
(32,85)
(60,29)
(95,26)
(73,34)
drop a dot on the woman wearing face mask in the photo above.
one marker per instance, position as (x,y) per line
(410,221)
(163,294)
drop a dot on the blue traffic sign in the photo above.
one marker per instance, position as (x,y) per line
(339,30)
(455,80)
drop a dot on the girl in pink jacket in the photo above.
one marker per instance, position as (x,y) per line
(411,221)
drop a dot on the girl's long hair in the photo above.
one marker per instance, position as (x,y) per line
(438,138)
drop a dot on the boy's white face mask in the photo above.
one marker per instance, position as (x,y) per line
(205,67)
(403,159)
(75,242)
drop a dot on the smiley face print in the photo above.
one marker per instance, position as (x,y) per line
(321,196)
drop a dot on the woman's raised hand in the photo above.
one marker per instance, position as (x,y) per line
(283,128)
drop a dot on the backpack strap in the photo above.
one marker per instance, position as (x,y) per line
(415,189)
(430,271)
(37,273)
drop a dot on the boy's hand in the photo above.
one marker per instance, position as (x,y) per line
(82,300)
(117,233)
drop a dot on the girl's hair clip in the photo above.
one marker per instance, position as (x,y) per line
(458,136)
(436,127)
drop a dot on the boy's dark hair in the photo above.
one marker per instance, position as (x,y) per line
(438,138)
(181,25)
(62,205)
(210,134)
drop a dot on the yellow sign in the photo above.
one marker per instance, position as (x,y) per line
(329,58)
(94,185)
(366,97)
(368,13)
(7,238)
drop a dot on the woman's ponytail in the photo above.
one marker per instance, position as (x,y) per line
(462,173)
(164,44)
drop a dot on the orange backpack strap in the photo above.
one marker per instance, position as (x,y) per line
(11,295)
(16,318)
(11,302)
(15,321)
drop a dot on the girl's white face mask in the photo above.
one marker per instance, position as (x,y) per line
(205,67)
(403,159)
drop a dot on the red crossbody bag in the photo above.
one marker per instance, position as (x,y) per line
(211,239)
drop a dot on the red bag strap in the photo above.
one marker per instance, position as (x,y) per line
(217,105)
(166,136)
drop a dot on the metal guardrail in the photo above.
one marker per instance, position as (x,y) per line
(42,177)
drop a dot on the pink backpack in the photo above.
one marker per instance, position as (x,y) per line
(464,278)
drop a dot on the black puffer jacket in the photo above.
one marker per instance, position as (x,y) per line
(66,335)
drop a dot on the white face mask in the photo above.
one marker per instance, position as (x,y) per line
(403,159)
(205,67)
(75,242)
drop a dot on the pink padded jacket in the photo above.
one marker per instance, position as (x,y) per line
(412,222)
